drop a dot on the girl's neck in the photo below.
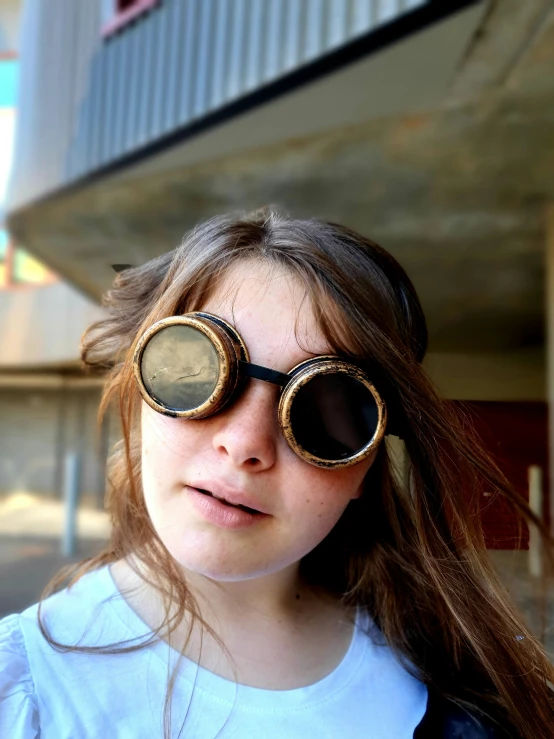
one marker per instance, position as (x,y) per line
(277,596)
(280,597)
(278,632)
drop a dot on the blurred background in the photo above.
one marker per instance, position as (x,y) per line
(427,125)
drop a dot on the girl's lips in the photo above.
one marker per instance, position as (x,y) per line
(221,514)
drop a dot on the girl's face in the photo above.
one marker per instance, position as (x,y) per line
(240,452)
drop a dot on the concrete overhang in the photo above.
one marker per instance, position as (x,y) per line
(413,145)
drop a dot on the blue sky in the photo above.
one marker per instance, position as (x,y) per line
(8,83)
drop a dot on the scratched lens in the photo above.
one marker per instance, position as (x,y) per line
(180,368)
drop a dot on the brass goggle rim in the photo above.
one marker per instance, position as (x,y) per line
(233,356)
(303,373)
(230,349)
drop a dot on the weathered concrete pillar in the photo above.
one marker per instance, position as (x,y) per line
(549,291)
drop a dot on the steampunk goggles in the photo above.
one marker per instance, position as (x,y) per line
(193,365)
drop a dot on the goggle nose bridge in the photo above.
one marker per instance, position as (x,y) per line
(248,369)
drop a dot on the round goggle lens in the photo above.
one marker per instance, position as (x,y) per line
(333,416)
(180,368)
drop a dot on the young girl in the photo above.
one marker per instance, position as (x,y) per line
(270,574)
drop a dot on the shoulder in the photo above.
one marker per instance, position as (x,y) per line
(89,589)
(439,717)
(76,681)
(73,616)
(18,706)
(39,672)
(89,614)
(444,719)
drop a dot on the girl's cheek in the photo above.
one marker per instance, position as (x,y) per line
(330,493)
(324,510)
(172,436)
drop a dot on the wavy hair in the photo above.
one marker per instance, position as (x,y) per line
(413,555)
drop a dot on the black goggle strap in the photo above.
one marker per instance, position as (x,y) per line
(263,373)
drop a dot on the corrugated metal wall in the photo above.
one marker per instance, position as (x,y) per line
(86,101)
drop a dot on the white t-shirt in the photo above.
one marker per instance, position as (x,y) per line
(73,695)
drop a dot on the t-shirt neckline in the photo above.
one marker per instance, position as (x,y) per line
(236,694)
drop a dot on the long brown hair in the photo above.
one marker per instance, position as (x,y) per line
(413,555)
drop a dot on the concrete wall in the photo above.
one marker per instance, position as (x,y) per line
(500,377)
(42,325)
(38,427)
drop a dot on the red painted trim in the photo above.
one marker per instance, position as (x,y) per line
(8,56)
(122,19)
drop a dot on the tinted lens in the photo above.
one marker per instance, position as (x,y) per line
(180,367)
(334,416)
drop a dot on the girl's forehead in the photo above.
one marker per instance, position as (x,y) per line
(270,305)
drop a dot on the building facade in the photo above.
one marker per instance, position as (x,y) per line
(424,124)
(47,407)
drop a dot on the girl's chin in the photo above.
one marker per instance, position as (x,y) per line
(221,569)
(223,573)
(224,569)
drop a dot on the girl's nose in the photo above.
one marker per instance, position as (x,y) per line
(247,431)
